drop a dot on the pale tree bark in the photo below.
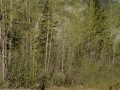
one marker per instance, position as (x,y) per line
(0,26)
(2,58)
(0,31)
(63,56)
(52,5)
(9,34)
(35,65)
(47,42)
(47,51)
(114,52)
(26,35)
(2,46)
(49,55)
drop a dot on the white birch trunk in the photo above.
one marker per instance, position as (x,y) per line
(47,42)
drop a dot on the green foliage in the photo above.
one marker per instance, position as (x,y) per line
(60,43)
(1,82)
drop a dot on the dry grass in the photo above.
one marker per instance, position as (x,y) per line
(63,88)
(70,88)
(14,89)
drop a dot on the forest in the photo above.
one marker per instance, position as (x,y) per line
(59,43)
